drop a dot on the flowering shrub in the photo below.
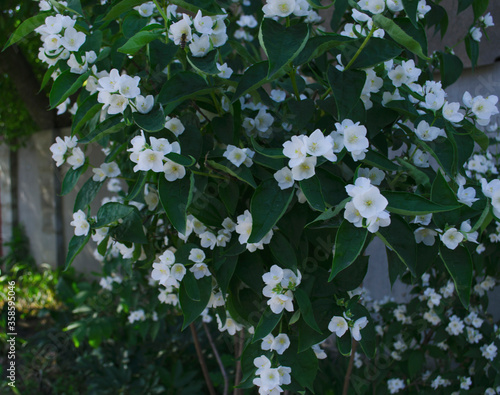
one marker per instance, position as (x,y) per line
(254,155)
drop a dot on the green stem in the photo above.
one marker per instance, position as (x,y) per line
(327,92)
(361,48)
(207,174)
(161,11)
(294,83)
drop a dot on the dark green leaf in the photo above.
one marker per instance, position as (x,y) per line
(349,243)
(275,153)
(480,7)
(120,8)
(312,190)
(281,44)
(191,309)
(110,125)
(191,286)
(478,135)
(206,64)
(207,7)
(153,121)
(368,340)
(131,25)
(418,175)
(399,35)
(301,112)
(138,41)
(87,194)
(269,203)
(254,77)
(410,7)
(267,323)
(76,245)
(224,270)
(344,344)
(283,251)
(229,194)
(352,277)
(399,237)
(71,178)
(306,309)
(138,186)
(86,111)
(346,88)
(472,49)
(26,28)
(304,365)
(459,265)
(175,198)
(242,173)
(181,159)
(405,203)
(377,50)
(65,85)
(182,86)
(332,187)
(112,212)
(318,45)
(450,67)
(376,159)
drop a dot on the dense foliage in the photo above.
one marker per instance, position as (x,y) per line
(253,155)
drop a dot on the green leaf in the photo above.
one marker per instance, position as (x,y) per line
(112,212)
(306,309)
(181,159)
(318,45)
(76,245)
(480,7)
(304,365)
(206,64)
(254,77)
(459,264)
(368,340)
(138,41)
(344,344)
(131,25)
(175,198)
(301,112)
(398,35)
(376,159)
(281,44)
(130,230)
(405,203)
(110,125)
(86,111)
(138,186)
(242,173)
(349,243)
(399,237)
(450,67)
(191,286)
(418,175)
(182,86)
(71,178)
(352,277)
(441,192)
(311,188)
(410,7)
(275,153)
(87,194)
(224,270)
(60,91)
(153,121)
(377,51)
(332,187)
(229,194)
(478,135)
(121,7)
(416,361)
(26,28)
(283,251)
(404,107)
(472,49)
(346,89)
(267,323)
(269,203)
(207,7)
(192,309)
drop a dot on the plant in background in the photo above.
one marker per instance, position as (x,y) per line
(253,156)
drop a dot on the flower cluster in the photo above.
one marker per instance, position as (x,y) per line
(352,137)
(270,379)
(367,203)
(244,228)
(339,326)
(279,343)
(67,151)
(284,8)
(166,271)
(238,156)
(280,284)
(82,226)
(153,156)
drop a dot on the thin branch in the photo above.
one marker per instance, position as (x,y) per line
(349,368)
(217,357)
(238,350)
(203,365)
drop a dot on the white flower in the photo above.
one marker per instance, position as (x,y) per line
(263,120)
(225,70)
(137,315)
(281,8)
(274,276)
(295,149)
(466,196)
(382,219)
(173,171)
(151,199)
(180,30)
(338,325)
(72,39)
(269,379)
(144,104)
(281,301)
(476,34)
(146,9)
(320,354)
(200,270)
(261,363)
(203,24)
(77,158)
(426,236)
(424,219)
(178,271)
(376,176)
(370,203)
(200,45)
(426,132)
(80,223)
(451,112)
(305,169)
(489,352)
(356,329)
(235,155)
(456,326)
(395,385)
(284,177)
(208,240)
(129,86)
(150,160)
(99,174)
(352,214)
(317,144)
(398,76)
(111,169)
(452,238)
(355,140)
(77,67)
(278,95)
(117,104)
(484,108)
(196,255)
(174,125)
(373,6)
(280,343)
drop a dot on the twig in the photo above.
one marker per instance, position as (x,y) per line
(217,357)
(238,350)
(349,368)
(203,365)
